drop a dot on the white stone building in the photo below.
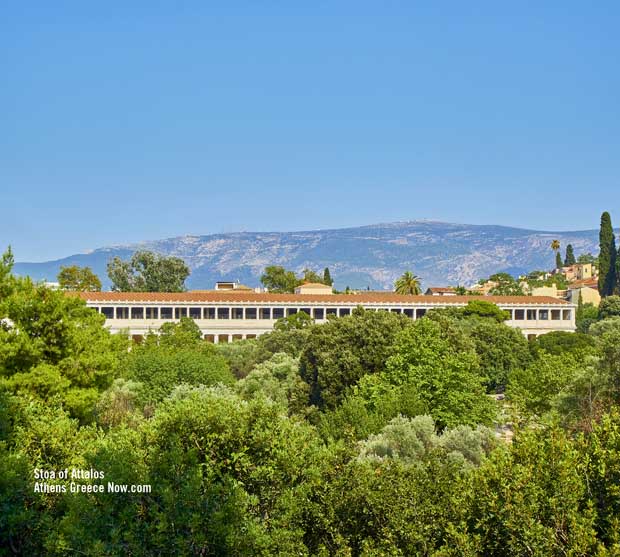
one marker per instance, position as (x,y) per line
(227,315)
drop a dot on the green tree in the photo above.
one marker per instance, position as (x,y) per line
(531,499)
(277,379)
(148,272)
(587,258)
(444,373)
(308,275)
(535,389)
(6,267)
(570,256)
(175,356)
(481,308)
(327,277)
(54,348)
(407,284)
(585,315)
(609,307)
(601,452)
(609,363)
(338,353)
(506,285)
(299,320)
(277,279)
(561,342)
(501,351)
(411,440)
(607,257)
(81,279)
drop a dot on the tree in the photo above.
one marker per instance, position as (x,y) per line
(299,320)
(277,279)
(327,278)
(6,266)
(277,379)
(531,498)
(80,279)
(337,354)
(481,308)
(308,275)
(570,256)
(561,342)
(607,257)
(176,355)
(555,246)
(585,315)
(444,373)
(587,258)
(54,348)
(411,440)
(609,307)
(148,272)
(407,284)
(535,388)
(501,350)
(506,285)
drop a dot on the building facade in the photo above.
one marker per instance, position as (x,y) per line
(224,316)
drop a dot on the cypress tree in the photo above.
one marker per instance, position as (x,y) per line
(607,257)
(570,255)
(558,260)
(327,278)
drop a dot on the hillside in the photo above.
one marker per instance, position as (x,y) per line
(440,253)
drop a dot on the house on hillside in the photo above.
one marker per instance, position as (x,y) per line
(314,288)
(579,271)
(587,288)
(440,291)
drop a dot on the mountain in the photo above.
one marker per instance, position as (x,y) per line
(367,256)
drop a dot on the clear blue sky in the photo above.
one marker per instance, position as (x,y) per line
(130,121)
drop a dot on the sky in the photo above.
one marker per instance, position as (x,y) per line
(129,121)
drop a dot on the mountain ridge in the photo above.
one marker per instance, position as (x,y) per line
(371,255)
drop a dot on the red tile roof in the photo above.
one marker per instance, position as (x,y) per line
(232,296)
(590,282)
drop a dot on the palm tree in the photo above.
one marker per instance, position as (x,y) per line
(555,246)
(408,284)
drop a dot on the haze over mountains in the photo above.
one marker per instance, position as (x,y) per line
(367,256)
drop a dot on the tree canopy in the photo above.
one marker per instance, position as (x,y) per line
(81,279)
(148,272)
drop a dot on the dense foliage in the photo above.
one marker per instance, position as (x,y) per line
(77,278)
(369,435)
(148,272)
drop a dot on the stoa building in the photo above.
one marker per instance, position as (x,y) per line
(225,315)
